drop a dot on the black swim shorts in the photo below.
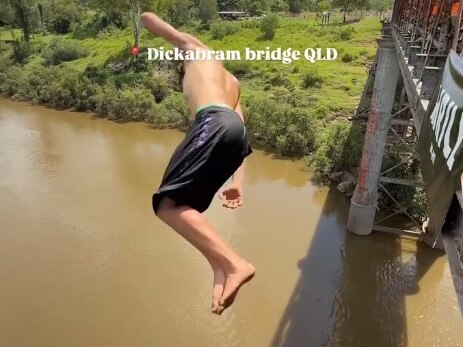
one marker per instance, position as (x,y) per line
(213,149)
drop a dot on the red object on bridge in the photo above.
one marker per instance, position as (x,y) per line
(435,8)
(135,50)
(455,9)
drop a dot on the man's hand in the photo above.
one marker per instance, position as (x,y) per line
(232,197)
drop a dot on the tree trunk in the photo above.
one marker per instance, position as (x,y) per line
(41,18)
(344,17)
(22,19)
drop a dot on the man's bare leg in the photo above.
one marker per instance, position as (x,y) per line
(230,270)
(205,82)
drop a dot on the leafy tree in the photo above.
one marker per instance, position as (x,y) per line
(323,6)
(179,12)
(207,10)
(295,6)
(349,5)
(22,13)
(42,23)
(279,6)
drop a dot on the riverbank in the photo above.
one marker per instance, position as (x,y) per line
(292,110)
(289,107)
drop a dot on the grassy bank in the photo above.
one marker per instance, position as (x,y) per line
(292,108)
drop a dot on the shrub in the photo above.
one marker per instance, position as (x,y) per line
(339,147)
(278,79)
(288,129)
(172,113)
(61,15)
(60,50)
(268,26)
(131,104)
(251,24)
(240,68)
(346,33)
(21,51)
(348,57)
(158,85)
(220,29)
(311,79)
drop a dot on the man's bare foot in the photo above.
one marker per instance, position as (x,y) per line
(217,290)
(237,277)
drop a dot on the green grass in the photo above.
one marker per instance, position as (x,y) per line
(342,82)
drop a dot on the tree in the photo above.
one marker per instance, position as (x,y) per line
(349,5)
(132,8)
(279,6)
(179,12)
(295,6)
(22,11)
(323,6)
(42,23)
(207,10)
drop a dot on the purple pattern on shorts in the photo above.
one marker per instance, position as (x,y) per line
(204,132)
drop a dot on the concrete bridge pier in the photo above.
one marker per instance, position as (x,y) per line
(364,201)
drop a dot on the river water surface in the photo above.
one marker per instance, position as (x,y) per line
(83,261)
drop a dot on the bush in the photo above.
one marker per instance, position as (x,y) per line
(288,129)
(220,29)
(268,26)
(172,113)
(158,85)
(240,68)
(339,147)
(57,86)
(278,79)
(61,15)
(346,33)
(347,58)
(130,104)
(311,79)
(251,24)
(60,50)
(21,51)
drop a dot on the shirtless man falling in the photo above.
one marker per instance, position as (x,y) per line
(213,150)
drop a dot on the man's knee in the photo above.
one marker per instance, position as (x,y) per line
(165,208)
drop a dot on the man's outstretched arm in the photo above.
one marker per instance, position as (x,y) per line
(232,197)
(179,39)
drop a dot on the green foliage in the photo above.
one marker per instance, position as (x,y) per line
(251,24)
(338,147)
(268,26)
(278,79)
(295,6)
(158,85)
(127,103)
(60,50)
(56,86)
(61,15)
(347,57)
(311,79)
(179,12)
(220,29)
(21,51)
(207,11)
(346,33)
(279,6)
(172,113)
(288,129)
(240,68)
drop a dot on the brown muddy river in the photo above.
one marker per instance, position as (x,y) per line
(84,262)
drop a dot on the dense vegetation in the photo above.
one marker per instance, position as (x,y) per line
(76,54)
